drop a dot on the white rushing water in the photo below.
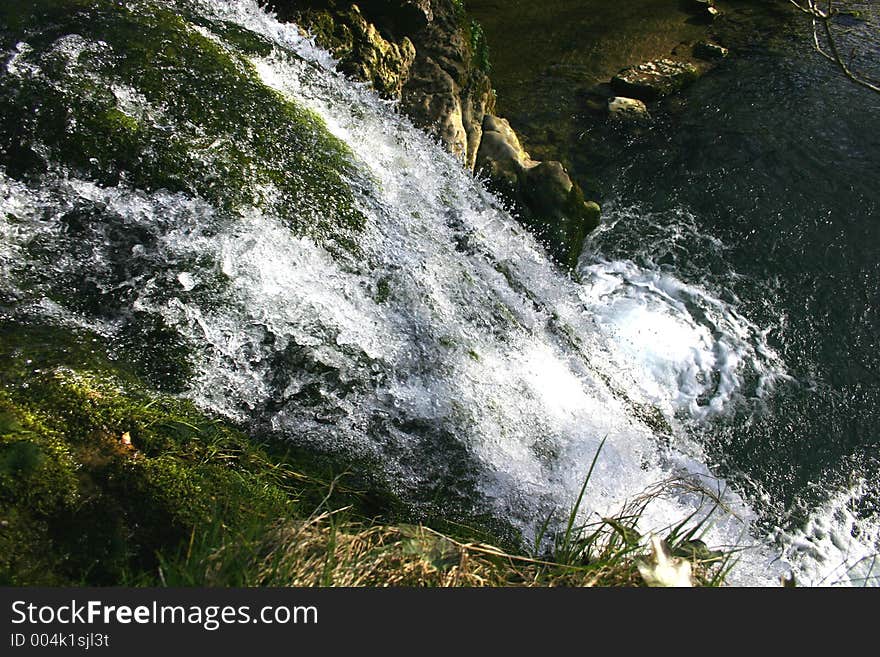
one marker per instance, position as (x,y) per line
(449,346)
(836,546)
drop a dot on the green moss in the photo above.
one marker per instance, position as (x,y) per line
(119,122)
(582,217)
(383,289)
(78,505)
(475,37)
(479,47)
(35,467)
(328,32)
(209,126)
(241,39)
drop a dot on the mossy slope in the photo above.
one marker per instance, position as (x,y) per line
(160,98)
(80,505)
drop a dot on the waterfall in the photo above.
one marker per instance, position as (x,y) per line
(442,348)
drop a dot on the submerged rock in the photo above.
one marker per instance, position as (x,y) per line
(625,109)
(653,80)
(706,9)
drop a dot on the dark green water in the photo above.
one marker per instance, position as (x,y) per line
(760,183)
(544,55)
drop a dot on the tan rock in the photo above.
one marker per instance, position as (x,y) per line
(621,108)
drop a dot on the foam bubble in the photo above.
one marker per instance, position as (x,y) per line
(684,349)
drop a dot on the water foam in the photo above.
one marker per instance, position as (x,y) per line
(837,545)
(685,350)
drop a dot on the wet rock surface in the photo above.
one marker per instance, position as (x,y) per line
(653,80)
(625,109)
(710,51)
(425,53)
(705,9)
(546,198)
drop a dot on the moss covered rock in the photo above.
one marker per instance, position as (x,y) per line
(547,201)
(627,110)
(162,99)
(363,52)
(100,476)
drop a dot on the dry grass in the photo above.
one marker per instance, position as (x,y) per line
(332,548)
(328,550)
(320,552)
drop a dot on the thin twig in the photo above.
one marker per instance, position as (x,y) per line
(821,23)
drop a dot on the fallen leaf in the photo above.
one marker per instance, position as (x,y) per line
(663,569)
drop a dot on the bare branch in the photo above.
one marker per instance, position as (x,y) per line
(821,22)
